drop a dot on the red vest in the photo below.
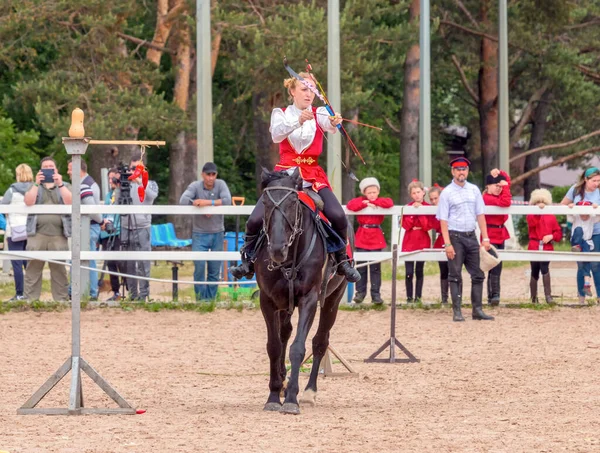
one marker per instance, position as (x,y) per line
(307,162)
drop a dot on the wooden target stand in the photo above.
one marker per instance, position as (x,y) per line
(393,341)
(327,364)
(77,147)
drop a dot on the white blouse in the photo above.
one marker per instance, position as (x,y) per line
(285,124)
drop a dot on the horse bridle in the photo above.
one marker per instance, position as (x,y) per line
(295,225)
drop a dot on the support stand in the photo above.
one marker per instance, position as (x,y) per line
(76,147)
(393,341)
(327,364)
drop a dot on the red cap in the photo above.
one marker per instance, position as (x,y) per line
(460,162)
(584,203)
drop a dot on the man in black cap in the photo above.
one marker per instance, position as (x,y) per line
(208,230)
(459,210)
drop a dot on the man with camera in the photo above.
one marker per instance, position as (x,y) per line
(111,231)
(47,232)
(135,229)
(89,193)
(207,229)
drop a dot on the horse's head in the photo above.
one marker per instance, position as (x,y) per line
(283,214)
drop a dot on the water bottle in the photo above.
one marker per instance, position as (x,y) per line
(541,247)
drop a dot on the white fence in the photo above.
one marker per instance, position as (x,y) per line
(396,212)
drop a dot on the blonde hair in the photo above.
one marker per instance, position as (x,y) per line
(292,82)
(434,189)
(24,173)
(415,184)
(540,196)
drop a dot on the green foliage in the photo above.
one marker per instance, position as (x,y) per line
(17,147)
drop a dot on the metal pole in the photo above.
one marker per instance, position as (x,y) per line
(334,143)
(204,126)
(503,112)
(424,95)
(76,259)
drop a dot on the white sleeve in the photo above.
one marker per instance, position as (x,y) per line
(323,119)
(281,127)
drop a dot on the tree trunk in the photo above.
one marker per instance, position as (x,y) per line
(538,131)
(267,152)
(488,95)
(409,116)
(180,157)
(162,30)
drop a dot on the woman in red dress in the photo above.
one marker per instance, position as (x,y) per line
(299,130)
(496,193)
(369,236)
(543,230)
(416,237)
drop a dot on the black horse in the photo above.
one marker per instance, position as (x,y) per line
(290,272)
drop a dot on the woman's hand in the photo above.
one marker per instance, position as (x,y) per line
(495,172)
(417,204)
(547,238)
(335,120)
(306,115)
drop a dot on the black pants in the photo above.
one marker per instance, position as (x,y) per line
(332,209)
(443,270)
(375,271)
(466,248)
(113,244)
(537,266)
(498,269)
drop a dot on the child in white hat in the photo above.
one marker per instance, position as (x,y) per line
(369,236)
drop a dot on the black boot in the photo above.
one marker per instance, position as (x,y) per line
(345,268)
(533,289)
(495,290)
(419,289)
(409,288)
(547,288)
(477,303)
(455,291)
(444,288)
(246,268)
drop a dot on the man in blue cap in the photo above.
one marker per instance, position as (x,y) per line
(460,209)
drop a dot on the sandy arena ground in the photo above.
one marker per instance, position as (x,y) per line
(527,382)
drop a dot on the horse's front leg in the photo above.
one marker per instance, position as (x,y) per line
(274,349)
(320,342)
(286,331)
(307,307)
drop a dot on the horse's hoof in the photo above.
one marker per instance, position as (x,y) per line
(290,408)
(309,397)
(272,407)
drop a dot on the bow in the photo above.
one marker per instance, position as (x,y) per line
(320,93)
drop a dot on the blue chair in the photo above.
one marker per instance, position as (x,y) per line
(157,237)
(166,235)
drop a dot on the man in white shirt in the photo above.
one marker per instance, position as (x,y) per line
(460,209)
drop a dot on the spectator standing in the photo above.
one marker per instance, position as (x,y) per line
(460,209)
(90,195)
(543,230)
(582,231)
(586,189)
(416,237)
(369,236)
(208,230)
(47,232)
(434,199)
(135,234)
(496,193)
(16,224)
(110,233)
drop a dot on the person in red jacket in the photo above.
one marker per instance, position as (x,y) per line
(369,236)
(543,229)
(496,193)
(416,237)
(434,223)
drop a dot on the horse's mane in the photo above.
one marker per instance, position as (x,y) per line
(282,177)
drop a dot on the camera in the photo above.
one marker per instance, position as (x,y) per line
(109,228)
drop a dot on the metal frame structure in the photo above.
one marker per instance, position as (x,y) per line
(77,147)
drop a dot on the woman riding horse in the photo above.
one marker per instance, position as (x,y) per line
(299,130)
